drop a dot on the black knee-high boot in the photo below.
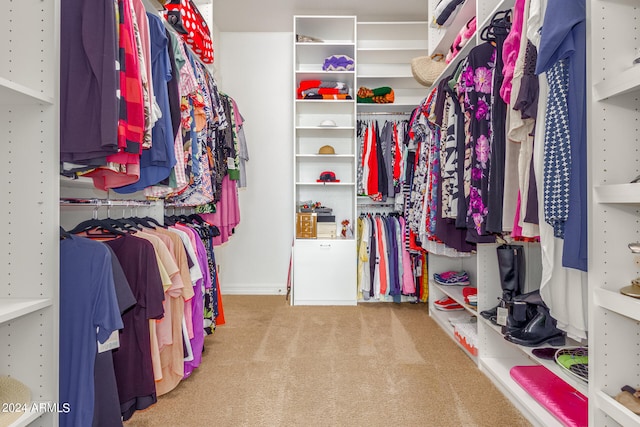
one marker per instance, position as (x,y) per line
(511,267)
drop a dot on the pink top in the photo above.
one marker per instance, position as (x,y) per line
(511,49)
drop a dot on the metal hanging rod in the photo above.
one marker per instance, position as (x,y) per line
(385,113)
(375,205)
(105,202)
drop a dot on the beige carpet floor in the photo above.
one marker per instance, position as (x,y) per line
(377,364)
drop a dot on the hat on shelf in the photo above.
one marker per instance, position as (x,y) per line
(328,176)
(328,124)
(426,69)
(15,393)
(326,149)
(632,290)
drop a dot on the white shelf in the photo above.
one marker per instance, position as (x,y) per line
(331,128)
(499,371)
(325,156)
(448,34)
(326,43)
(315,70)
(325,101)
(26,419)
(615,410)
(394,45)
(455,292)
(393,23)
(12,308)
(322,184)
(383,71)
(618,303)
(551,365)
(618,84)
(617,193)
(442,319)
(12,93)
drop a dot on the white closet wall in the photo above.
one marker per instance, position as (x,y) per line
(30,238)
(255,68)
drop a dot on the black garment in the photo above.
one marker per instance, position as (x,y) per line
(498,135)
(106,411)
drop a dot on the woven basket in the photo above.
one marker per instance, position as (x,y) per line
(427,69)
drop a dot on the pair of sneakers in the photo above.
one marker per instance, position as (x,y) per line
(452,278)
(447,304)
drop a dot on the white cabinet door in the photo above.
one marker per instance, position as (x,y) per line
(324,272)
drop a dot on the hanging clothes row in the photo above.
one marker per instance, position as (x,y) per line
(158,286)
(385,267)
(381,157)
(500,149)
(159,123)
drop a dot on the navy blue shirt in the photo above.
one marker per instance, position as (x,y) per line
(88,313)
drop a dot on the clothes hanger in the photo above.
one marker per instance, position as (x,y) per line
(154,221)
(64,234)
(106,226)
(144,222)
(502,20)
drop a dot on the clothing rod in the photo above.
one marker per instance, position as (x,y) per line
(104,202)
(383,113)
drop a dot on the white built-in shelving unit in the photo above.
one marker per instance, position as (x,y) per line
(29,152)
(614,161)
(496,356)
(385,50)
(324,270)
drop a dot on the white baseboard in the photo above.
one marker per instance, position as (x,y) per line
(253,289)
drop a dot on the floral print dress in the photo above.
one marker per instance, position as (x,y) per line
(475,90)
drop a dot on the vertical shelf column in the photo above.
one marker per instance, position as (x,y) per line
(324,272)
(29,151)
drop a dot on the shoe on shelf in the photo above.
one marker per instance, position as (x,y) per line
(452,278)
(447,304)
(540,330)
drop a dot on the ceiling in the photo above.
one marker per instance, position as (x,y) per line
(266,16)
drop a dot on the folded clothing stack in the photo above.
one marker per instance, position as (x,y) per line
(470,296)
(338,63)
(381,95)
(320,89)
(452,278)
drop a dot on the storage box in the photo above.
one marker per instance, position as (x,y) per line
(467,336)
(306,225)
(326,230)
(327,218)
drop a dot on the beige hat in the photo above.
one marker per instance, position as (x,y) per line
(427,69)
(632,290)
(628,400)
(326,149)
(16,394)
